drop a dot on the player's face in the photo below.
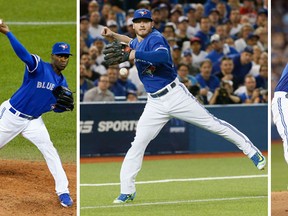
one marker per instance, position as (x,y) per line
(60,61)
(142,27)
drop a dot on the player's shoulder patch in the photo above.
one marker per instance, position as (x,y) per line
(37,60)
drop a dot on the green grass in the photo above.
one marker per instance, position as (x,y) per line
(279,168)
(39,39)
(196,197)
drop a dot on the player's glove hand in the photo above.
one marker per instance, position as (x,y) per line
(115,54)
(64,97)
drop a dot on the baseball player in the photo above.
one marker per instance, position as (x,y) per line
(167,98)
(22,112)
(280,107)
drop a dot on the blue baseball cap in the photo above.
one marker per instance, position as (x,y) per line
(142,14)
(61,48)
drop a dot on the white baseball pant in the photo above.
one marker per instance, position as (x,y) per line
(280,118)
(178,103)
(34,130)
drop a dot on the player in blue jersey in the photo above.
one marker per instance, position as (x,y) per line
(167,98)
(279,109)
(22,112)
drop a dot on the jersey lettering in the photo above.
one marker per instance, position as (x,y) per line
(45,85)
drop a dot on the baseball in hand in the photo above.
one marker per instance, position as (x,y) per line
(123,71)
(1,21)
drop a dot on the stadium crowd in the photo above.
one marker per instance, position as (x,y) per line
(219,48)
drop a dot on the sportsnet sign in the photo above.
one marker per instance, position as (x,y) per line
(109,129)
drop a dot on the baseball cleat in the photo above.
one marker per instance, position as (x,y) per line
(259,160)
(65,200)
(124,198)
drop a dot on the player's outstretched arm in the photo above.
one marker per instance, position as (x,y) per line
(19,49)
(106,32)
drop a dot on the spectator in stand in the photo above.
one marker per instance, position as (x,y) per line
(262,32)
(208,82)
(251,93)
(188,59)
(92,7)
(221,30)
(85,59)
(224,94)
(262,78)
(84,31)
(234,4)
(226,69)
(181,32)
(214,17)
(100,92)
(204,34)
(99,44)
(262,18)
(252,40)
(112,24)
(164,12)
(94,27)
(95,66)
(220,49)
(131,96)
(129,28)
(242,66)
(169,30)
(240,43)
(157,20)
(210,5)
(193,25)
(85,84)
(126,83)
(175,13)
(248,8)
(176,55)
(104,13)
(224,11)
(198,55)
(183,73)
(235,18)
(114,85)
(199,12)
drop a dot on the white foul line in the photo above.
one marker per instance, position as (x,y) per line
(179,180)
(173,202)
(42,23)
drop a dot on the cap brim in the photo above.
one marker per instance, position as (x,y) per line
(141,18)
(59,53)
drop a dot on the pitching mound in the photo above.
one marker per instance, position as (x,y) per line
(27,188)
(279,203)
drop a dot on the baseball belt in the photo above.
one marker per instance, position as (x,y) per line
(22,115)
(163,92)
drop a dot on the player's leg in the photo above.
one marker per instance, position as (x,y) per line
(149,125)
(189,109)
(37,133)
(280,118)
(10,125)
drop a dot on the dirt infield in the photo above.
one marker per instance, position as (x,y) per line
(27,188)
(279,203)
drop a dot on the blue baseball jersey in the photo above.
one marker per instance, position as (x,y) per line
(153,74)
(282,84)
(35,97)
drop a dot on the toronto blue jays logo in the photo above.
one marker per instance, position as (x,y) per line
(149,70)
(143,13)
(64,46)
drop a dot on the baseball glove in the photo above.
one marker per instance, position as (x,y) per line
(115,54)
(64,96)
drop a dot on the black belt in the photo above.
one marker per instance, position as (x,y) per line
(163,92)
(12,110)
